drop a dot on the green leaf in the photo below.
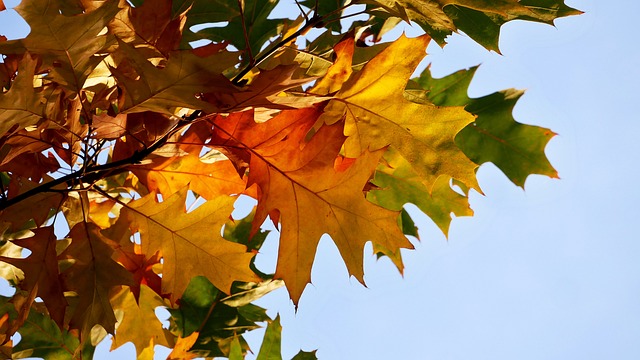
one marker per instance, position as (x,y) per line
(399,184)
(41,337)
(239,231)
(326,7)
(305,355)
(408,225)
(259,28)
(516,149)
(271,344)
(479,19)
(200,310)
(235,351)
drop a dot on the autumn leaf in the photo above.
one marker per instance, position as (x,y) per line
(516,149)
(35,210)
(398,184)
(182,346)
(41,271)
(7,249)
(209,180)
(150,26)
(190,243)
(92,276)
(298,184)
(266,90)
(116,124)
(176,83)
(69,54)
(377,115)
(479,19)
(21,106)
(134,314)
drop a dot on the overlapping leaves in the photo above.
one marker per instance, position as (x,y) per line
(123,150)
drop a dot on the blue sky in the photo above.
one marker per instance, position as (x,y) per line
(551,272)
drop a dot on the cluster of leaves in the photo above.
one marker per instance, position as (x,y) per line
(115,128)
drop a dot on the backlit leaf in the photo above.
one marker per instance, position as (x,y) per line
(297,184)
(191,243)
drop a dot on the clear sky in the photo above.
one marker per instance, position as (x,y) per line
(552,272)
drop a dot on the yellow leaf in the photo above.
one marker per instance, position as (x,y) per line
(377,115)
(181,349)
(139,324)
(190,244)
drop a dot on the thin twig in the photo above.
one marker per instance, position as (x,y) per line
(93,173)
(311,23)
(306,18)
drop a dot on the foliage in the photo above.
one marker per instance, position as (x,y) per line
(116,128)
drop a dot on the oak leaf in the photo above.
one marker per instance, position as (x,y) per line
(480,19)
(398,184)
(516,149)
(21,106)
(67,44)
(176,84)
(377,115)
(190,244)
(299,183)
(139,323)
(41,337)
(41,271)
(209,180)
(93,274)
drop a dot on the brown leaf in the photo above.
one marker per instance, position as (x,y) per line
(264,91)
(41,271)
(92,276)
(37,207)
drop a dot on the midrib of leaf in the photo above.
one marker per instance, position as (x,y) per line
(283,173)
(149,217)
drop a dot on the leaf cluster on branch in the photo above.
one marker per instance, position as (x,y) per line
(123,148)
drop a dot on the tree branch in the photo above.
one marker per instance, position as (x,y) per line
(91,173)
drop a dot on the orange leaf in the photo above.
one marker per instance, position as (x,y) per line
(168,175)
(181,349)
(298,182)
